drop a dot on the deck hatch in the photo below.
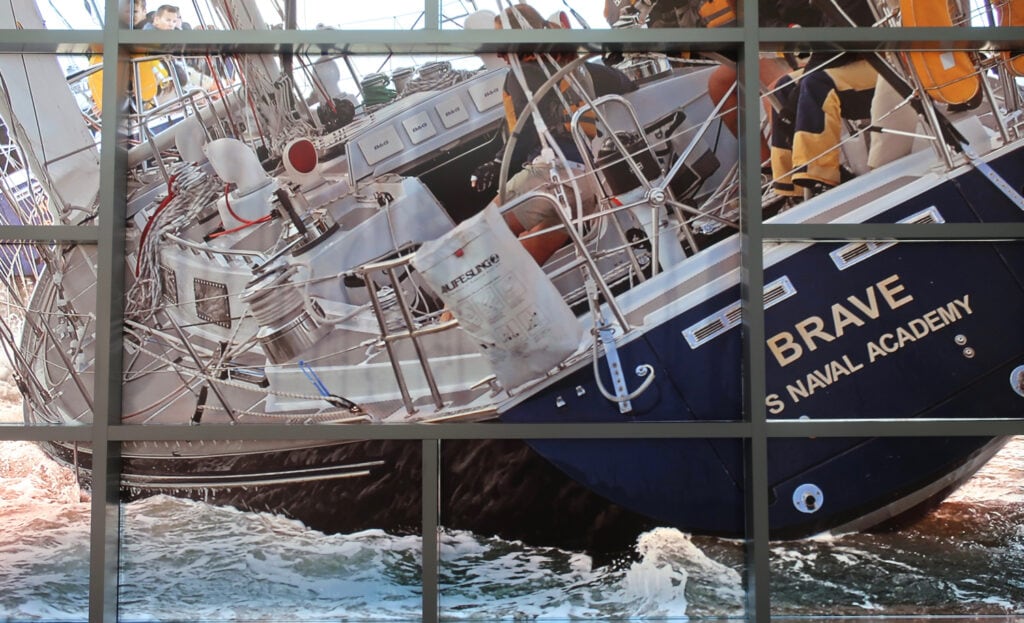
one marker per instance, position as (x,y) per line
(855,252)
(721,321)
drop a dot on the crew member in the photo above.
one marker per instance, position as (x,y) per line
(530,172)
(815,98)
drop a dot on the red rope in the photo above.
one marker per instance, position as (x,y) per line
(152,219)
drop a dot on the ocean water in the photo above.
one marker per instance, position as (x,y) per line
(186,560)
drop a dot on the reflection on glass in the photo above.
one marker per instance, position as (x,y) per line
(898,330)
(312,15)
(48,328)
(958,556)
(49,142)
(521,538)
(313,532)
(308,259)
(590,14)
(44,538)
(855,125)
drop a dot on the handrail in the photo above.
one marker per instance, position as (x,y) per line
(411,333)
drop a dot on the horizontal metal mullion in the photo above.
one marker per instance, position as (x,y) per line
(403,38)
(383,41)
(46,433)
(895,428)
(890,38)
(894,231)
(580,430)
(48,233)
(879,427)
(682,430)
(52,41)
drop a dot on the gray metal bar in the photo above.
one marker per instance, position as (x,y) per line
(758,581)
(893,231)
(875,427)
(462,41)
(431,502)
(49,233)
(105,528)
(45,433)
(432,15)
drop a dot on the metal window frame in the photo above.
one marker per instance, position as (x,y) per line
(107,432)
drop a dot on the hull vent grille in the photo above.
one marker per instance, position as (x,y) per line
(721,321)
(856,252)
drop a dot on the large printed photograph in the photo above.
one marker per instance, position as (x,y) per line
(323,239)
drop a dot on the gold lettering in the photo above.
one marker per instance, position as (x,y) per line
(838,369)
(890,347)
(949,313)
(874,352)
(797,391)
(889,287)
(813,327)
(965,304)
(774,404)
(817,380)
(919,327)
(934,322)
(785,348)
(852,367)
(904,336)
(870,309)
(842,317)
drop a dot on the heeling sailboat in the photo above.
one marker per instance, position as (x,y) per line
(307,287)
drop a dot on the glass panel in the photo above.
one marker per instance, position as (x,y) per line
(87,15)
(252,274)
(309,15)
(848,123)
(895,330)
(295,531)
(524,539)
(573,15)
(929,555)
(48,332)
(891,13)
(49,140)
(44,537)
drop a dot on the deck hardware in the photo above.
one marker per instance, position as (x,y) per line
(808,498)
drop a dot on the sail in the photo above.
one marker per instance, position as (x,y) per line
(42,114)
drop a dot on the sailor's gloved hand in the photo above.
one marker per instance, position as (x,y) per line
(485,176)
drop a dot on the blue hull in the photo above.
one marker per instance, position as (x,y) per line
(917,330)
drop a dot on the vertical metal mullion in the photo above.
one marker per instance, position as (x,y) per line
(432,14)
(758,582)
(431,509)
(105,528)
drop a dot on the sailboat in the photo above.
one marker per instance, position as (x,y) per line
(290,266)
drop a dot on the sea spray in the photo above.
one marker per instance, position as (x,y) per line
(44,538)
